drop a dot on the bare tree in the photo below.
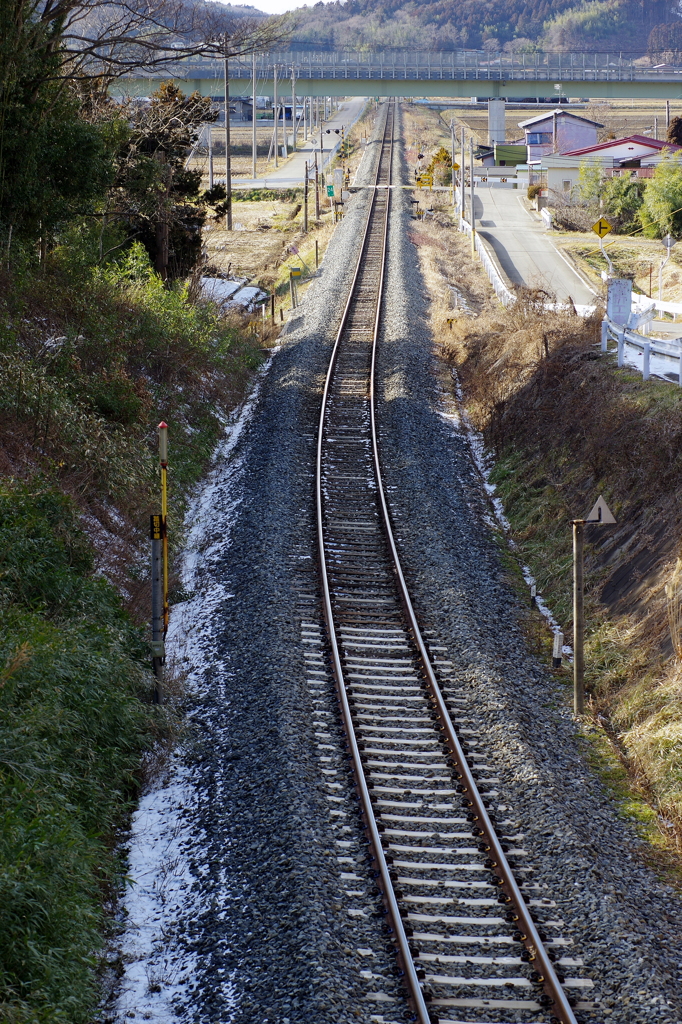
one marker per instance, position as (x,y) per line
(81,39)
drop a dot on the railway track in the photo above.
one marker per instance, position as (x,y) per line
(475,941)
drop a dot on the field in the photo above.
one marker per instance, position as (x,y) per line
(618,117)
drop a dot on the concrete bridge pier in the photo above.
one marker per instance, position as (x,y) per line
(496,122)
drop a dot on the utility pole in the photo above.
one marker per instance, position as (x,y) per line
(473,214)
(317,190)
(293,109)
(274,114)
(305,200)
(452,158)
(462,195)
(228,155)
(210,157)
(254,142)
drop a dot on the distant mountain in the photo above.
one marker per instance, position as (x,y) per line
(447,24)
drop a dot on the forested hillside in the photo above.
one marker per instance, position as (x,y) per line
(444,24)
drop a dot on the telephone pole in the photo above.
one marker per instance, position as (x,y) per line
(228,154)
(254,142)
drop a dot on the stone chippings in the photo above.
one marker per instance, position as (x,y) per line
(623,921)
(273,939)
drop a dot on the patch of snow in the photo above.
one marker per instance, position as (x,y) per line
(163,843)
(233,292)
(461,424)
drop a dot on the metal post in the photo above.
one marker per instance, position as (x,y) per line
(292,291)
(452,160)
(305,200)
(317,191)
(306,101)
(285,148)
(667,113)
(254,140)
(473,213)
(461,180)
(317,263)
(158,649)
(293,109)
(604,335)
(163,462)
(578,617)
(272,305)
(621,347)
(274,115)
(646,360)
(228,160)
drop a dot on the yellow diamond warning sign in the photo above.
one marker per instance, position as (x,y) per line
(602,227)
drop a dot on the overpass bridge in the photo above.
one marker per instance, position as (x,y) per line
(456,74)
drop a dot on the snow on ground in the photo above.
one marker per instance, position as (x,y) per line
(159,968)
(462,424)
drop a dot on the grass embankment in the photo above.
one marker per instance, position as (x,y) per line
(90,361)
(565,425)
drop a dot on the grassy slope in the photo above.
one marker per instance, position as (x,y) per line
(90,361)
(565,428)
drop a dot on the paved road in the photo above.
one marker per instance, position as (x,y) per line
(523,249)
(292,171)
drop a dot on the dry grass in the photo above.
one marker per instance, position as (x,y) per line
(567,425)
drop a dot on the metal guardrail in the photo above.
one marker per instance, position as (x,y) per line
(503,293)
(467,65)
(669,352)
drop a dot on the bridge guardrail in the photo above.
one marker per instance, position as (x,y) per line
(666,353)
(469,65)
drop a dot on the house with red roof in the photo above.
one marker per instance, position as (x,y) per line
(635,156)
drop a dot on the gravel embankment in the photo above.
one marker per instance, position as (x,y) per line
(262,926)
(624,922)
(261,932)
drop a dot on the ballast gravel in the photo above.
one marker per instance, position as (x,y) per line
(624,922)
(273,918)
(267,930)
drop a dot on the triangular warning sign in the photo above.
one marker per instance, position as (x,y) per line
(601,513)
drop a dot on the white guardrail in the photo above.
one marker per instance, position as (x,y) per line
(503,293)
(649,355)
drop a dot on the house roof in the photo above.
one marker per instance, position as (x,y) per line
(639,140)
(549,114)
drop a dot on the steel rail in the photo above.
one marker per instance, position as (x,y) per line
(555,999)
(416,993)
(532,941)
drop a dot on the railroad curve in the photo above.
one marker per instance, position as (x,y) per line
(449,878)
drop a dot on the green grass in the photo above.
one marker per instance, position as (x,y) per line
(73,726)
(92,357)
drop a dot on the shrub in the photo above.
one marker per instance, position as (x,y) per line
(534,191)
(72,728)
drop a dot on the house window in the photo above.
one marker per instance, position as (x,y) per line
(539,138)
(566,184)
